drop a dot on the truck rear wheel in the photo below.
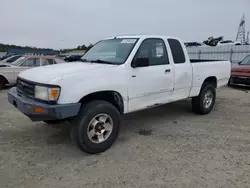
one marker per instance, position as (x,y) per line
(204,103)
(96,127)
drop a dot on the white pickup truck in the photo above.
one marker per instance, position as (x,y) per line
(117,76)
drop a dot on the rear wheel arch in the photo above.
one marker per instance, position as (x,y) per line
(113,97)
(210,80)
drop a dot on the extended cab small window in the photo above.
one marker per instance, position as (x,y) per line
(177,51)
(154,50)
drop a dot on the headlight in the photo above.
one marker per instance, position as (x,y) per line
(47,93)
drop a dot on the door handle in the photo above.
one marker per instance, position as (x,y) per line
(167,70)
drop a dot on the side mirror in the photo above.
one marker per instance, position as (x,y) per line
(140,62)
(239,63)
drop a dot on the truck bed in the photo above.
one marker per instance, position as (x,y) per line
(203,69)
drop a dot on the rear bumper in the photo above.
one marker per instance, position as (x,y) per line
(240,80)
(49,112)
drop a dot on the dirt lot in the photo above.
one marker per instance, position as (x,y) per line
(168,146)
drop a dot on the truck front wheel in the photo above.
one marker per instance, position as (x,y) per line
(204,103)
(96,127)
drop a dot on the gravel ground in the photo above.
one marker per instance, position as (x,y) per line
(167,146)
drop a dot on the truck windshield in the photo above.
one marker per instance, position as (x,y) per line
(246,61)
(110,51)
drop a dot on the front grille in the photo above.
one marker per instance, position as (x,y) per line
(25,88)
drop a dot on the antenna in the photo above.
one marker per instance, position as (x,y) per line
(247,40)
(241,35)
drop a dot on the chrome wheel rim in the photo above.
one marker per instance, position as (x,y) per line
(208,99)
(100,128)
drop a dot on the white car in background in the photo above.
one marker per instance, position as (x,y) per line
(11,59)
(9,71)
(228,42)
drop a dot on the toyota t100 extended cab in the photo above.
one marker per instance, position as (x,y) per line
(117,75)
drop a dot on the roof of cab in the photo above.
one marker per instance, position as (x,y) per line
(142,36)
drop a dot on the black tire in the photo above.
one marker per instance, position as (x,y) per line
(2,83)
(81,122)
(53,122)
(229,82)
(198,105)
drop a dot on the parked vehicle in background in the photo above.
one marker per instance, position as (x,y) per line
(5,56)
(72,58)
(9,71)
(2,55)
(117,75)
(8,55)
(61,56)
(192,44)
(10,59)
(240,75)
(228,42)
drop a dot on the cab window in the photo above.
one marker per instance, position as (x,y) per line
(177,51)
(154,50)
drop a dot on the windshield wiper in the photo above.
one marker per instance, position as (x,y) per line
(98,61)
(103,62)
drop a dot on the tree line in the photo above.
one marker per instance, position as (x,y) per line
(4,48)
(83,47)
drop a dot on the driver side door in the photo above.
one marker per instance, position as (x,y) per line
(153,84)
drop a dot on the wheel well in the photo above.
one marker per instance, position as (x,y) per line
(113,97)
(211,80)
(4,79)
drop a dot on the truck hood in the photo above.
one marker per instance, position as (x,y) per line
(241,68)
(46,74)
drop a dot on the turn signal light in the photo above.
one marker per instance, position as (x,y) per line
(39,110)
(54,93)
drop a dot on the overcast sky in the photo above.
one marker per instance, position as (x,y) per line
(64,24)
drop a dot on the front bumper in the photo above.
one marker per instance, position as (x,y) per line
(49,112)
(240,80)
